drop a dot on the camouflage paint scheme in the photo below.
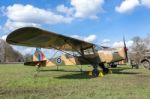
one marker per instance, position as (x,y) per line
(88,53)
(60,60)
(105,56)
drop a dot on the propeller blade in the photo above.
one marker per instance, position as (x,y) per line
(125,50)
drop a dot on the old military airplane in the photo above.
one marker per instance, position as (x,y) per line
(86,53)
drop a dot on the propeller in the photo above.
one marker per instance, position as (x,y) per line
(125,50)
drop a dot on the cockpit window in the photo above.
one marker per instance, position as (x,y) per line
(88,51)
(97,48)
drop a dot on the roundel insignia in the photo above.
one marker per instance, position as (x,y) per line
(58,60)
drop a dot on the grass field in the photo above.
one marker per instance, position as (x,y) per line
(22,82)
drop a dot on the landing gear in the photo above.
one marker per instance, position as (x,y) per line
(105,70)
(38,67)
(95,72)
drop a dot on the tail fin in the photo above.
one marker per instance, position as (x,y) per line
(38,55)
(125,50)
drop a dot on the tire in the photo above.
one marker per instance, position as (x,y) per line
(95,73)
(146,64)
(105,70)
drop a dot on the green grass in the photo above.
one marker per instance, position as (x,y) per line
(23,82)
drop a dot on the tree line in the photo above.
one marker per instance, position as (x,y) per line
(8,54)
(139,49)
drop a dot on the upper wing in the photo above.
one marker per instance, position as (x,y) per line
(35,37)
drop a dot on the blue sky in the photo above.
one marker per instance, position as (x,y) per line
(92,20)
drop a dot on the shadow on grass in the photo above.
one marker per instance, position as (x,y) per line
(84,75)
(71,74)
(74,74)
(120,71)
(80,75)
(128,73)
(59,70)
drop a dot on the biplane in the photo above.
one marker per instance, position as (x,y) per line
(85,52)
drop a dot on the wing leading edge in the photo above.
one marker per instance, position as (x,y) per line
(35,37)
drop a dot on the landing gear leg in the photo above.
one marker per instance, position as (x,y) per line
(95,71)
(105,69)
(37,70)
(38,67)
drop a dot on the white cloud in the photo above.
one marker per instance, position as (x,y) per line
(87,8)
(19,15)
(31,14)
(65,10)
(27,15)
(121,44)
(28,51)
(12,25)
(118,44)
(24,50)
(127,6)
(146,3)
(4,37)
(49,53)
(90,38)
(105,42)
(76,36)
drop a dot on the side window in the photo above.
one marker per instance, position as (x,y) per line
(89,51)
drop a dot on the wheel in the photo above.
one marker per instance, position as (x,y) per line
(146,64)
(105,70)
(95,73)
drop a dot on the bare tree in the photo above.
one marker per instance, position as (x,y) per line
(138,49)
(2,50)
(147,41)
(8,54)
(28,58)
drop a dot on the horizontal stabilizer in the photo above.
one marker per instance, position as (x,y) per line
(36,63)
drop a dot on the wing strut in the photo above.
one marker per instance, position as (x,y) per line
(90,62)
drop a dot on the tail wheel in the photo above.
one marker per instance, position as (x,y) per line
(113,66)
(146,64)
